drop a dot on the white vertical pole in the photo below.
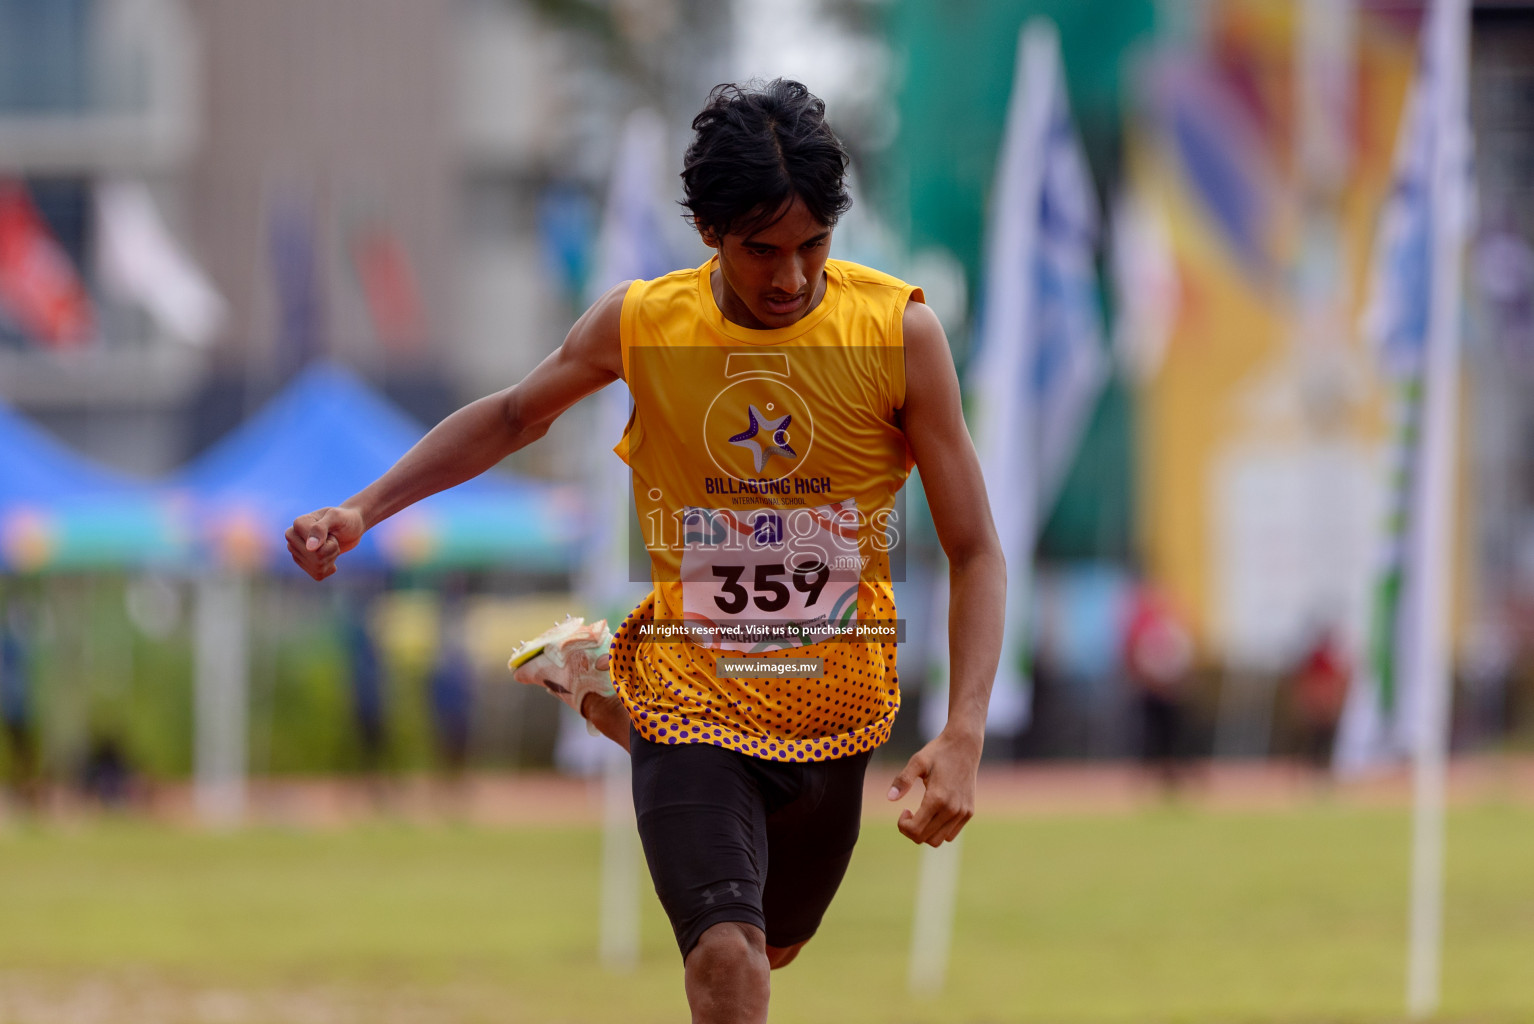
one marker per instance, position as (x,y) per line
(632,244)
(618,942)
(1448,22)
(220,699)
(1424,955)
(937,890)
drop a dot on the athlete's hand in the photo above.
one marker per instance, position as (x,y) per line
(316,540)
(947,767)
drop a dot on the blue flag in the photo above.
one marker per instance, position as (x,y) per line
(1412,319)
(1040,364)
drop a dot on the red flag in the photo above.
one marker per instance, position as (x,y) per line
(39,288)
(389,285)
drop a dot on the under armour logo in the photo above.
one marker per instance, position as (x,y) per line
(733,888)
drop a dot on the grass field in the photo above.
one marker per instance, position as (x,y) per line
(1174,914)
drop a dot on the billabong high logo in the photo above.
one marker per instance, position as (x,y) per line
(758,427)
(765,438)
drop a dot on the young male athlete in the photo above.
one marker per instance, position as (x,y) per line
(780,399)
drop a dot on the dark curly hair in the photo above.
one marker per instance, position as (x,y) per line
(755,149)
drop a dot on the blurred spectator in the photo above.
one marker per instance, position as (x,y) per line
(1320,687)
(107,776)
(1158,656)
(452,692)
(1487,665)
(1504,271)
(1078,662)
(365,675)
(16,707)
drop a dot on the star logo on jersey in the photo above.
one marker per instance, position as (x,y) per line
(764,438)
(758,412)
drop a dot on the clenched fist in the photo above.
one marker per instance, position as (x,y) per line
(316,540)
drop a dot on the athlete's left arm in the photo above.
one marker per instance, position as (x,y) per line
(933,421)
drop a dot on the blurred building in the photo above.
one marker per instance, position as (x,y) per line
(390,183)
(91,90)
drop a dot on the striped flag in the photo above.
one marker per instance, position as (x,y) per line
(1400,706)
(1040,364)
(1413,309)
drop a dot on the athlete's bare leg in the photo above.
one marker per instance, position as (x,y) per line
(782,956)
(728,975)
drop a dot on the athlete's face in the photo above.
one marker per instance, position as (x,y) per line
(775,275)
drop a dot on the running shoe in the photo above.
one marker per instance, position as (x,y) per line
(563,660)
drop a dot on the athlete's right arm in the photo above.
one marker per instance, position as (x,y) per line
(472,439)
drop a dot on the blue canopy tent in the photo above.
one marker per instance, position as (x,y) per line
(61,511)
(325,437)
(328,435)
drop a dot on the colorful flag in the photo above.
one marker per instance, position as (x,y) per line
(1039,364)
(39,289)
(141,262)
(1412,318)
(389,286)
(1225,161)
(1147,285)
(637,237)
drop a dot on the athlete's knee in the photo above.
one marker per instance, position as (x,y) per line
(782,956)
(727,975)
(727,948)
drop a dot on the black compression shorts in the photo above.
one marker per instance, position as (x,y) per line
(735,838)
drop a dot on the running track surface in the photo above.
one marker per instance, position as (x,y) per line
(1004,790)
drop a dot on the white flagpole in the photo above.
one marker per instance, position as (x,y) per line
(618,935)
(937,891)
(1448,24)
(633,244)
(221,698)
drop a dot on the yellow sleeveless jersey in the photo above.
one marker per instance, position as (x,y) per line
(765,465)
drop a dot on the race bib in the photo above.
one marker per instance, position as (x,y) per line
(769,579)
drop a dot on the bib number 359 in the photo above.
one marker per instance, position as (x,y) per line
(772,594)
(766,579)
